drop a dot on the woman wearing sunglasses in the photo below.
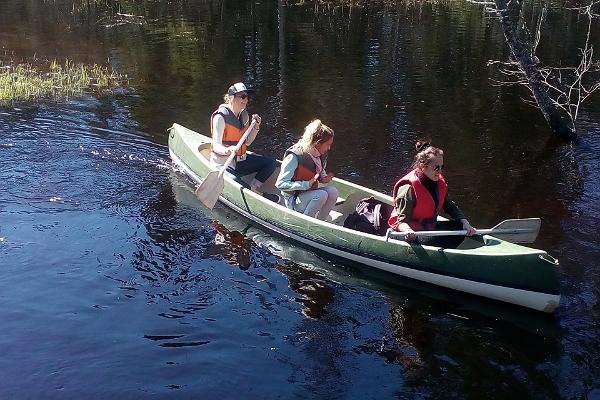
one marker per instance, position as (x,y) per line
(303,168)
(228,124)
(421,194)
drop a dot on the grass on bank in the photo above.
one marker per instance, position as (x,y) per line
(56,81)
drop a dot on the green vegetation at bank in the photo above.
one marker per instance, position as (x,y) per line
(53,80)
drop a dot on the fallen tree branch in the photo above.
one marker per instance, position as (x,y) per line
(558,92)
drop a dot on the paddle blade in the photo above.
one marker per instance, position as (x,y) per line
(523,230)
(210,189)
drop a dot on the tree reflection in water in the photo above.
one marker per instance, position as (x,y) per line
(233,246)
(315,293)
(413,335)
(312,288)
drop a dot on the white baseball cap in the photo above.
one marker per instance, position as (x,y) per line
(238,87)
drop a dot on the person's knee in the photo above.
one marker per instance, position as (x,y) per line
(320,196)
(271,163)
(333,192)
(268,166)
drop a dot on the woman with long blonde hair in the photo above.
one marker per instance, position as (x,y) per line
(302,170)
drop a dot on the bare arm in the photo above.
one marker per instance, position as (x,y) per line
(254,132)
(218,127)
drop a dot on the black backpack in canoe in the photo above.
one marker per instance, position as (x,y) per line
(371,216)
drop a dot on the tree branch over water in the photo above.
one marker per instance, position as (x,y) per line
(558,92)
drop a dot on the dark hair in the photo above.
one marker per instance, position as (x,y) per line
(425,152)
(422,144)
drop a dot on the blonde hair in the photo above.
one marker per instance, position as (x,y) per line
(228,98)
(425,152)
(315,132)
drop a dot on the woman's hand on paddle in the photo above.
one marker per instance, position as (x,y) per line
(409,235)
(257,119)
(467,227)
(327,178)
(314,179)
(231,149)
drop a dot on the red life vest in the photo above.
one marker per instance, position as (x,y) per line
(234,128)
(424,213)
(306,169)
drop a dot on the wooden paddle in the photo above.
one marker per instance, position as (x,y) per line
(512,230)
(212,186)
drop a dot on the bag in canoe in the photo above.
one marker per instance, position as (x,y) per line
(371,216)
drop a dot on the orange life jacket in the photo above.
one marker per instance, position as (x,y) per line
(234,128)
(306,169)
(424,213)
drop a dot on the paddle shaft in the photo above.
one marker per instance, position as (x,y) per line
(523,230)
(234,154)
(212,186)
(491,231)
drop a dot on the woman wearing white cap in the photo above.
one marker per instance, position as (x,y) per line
(227,124)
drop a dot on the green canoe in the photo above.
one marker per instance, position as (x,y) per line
(481,265)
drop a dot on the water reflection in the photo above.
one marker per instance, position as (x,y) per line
(440,349)
(414,335)
(232,245)
(313,290)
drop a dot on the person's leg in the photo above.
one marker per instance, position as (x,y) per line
(231,174)
(447,242)
(264,166)
(332,195)
(450,225)
(310,202)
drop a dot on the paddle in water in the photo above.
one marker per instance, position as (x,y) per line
(212,186)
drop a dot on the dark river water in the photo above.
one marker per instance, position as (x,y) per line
(117,283)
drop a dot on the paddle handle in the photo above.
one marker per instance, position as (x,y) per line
(234,154)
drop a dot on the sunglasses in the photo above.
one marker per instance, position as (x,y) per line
(438,167)
(242,96)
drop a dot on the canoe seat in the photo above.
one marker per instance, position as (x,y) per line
(337,217)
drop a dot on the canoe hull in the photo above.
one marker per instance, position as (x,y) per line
(499,270)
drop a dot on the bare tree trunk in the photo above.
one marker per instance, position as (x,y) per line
(560,122)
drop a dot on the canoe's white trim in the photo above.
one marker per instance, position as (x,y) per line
(535,300)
